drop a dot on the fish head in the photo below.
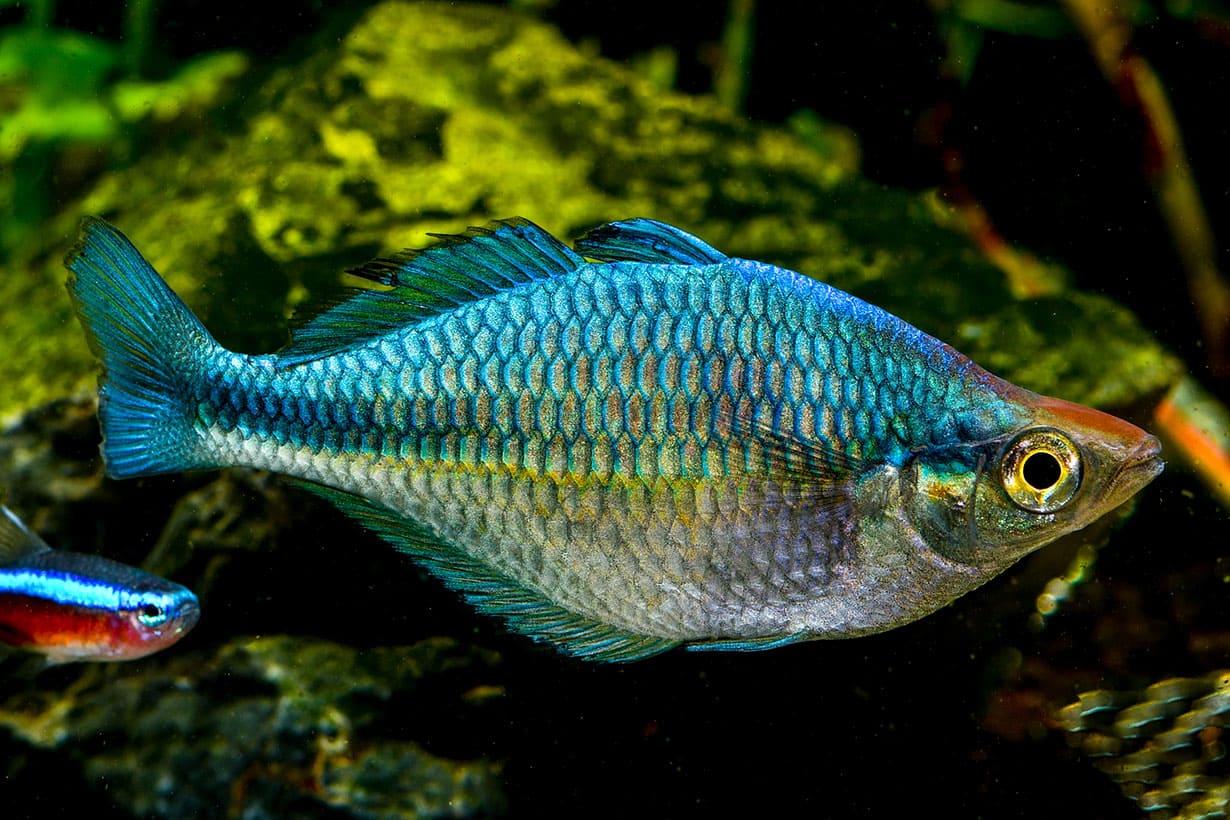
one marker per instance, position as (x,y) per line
(1055,468)
(84,607)
(154,616)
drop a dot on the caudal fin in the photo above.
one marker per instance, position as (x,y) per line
(150,345)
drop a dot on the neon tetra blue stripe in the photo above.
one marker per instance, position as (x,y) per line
(87,581)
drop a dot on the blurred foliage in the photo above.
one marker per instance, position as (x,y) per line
(964,23)
(730,80)
(68,97)
(52,81)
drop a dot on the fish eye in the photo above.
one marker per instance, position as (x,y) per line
(152,615)
(1041,470)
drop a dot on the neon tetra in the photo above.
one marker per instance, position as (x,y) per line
(74,607)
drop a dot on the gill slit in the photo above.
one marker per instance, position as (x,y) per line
(972,518)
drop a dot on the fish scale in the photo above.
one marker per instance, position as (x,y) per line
(663,446)
(630,579)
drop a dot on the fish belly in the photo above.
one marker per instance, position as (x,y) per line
(675,558)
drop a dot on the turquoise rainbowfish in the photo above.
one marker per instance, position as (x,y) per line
(68,606)
(660,446)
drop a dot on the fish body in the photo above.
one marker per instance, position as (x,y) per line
(665,446)
(69,606)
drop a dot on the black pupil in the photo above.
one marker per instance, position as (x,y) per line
(1041,471)
(150,611)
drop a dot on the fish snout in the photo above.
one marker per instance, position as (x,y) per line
(1144,461)
(1120,458)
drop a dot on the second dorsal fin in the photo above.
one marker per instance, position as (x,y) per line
(462,268)
(647,240)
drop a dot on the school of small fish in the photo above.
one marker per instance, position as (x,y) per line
(635,445)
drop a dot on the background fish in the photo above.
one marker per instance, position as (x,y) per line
(667,446)
(74,607)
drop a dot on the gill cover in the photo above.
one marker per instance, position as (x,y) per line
(989,503)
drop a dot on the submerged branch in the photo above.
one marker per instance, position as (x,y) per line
(1108,30)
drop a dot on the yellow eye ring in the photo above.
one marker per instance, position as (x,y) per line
(1041,470)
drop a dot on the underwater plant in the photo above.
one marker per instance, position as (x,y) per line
(70,101)
(1163,746)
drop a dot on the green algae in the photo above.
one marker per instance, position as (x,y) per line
(1073,344)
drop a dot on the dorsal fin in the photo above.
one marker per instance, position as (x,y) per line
(462,268)
(16,540)
(646,240)
(491,592)
(479,262)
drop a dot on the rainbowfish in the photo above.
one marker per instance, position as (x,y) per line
(664,446)
(73,607)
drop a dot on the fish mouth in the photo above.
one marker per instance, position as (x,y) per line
(1143,464)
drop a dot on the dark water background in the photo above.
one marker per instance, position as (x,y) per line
(880,726)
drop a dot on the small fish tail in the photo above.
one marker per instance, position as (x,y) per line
(149,343)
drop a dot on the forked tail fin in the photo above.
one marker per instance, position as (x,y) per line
(150,345)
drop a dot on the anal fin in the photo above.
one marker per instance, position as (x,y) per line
(747,644)
(525,610)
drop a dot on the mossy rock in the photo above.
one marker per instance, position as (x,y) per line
(270,727)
